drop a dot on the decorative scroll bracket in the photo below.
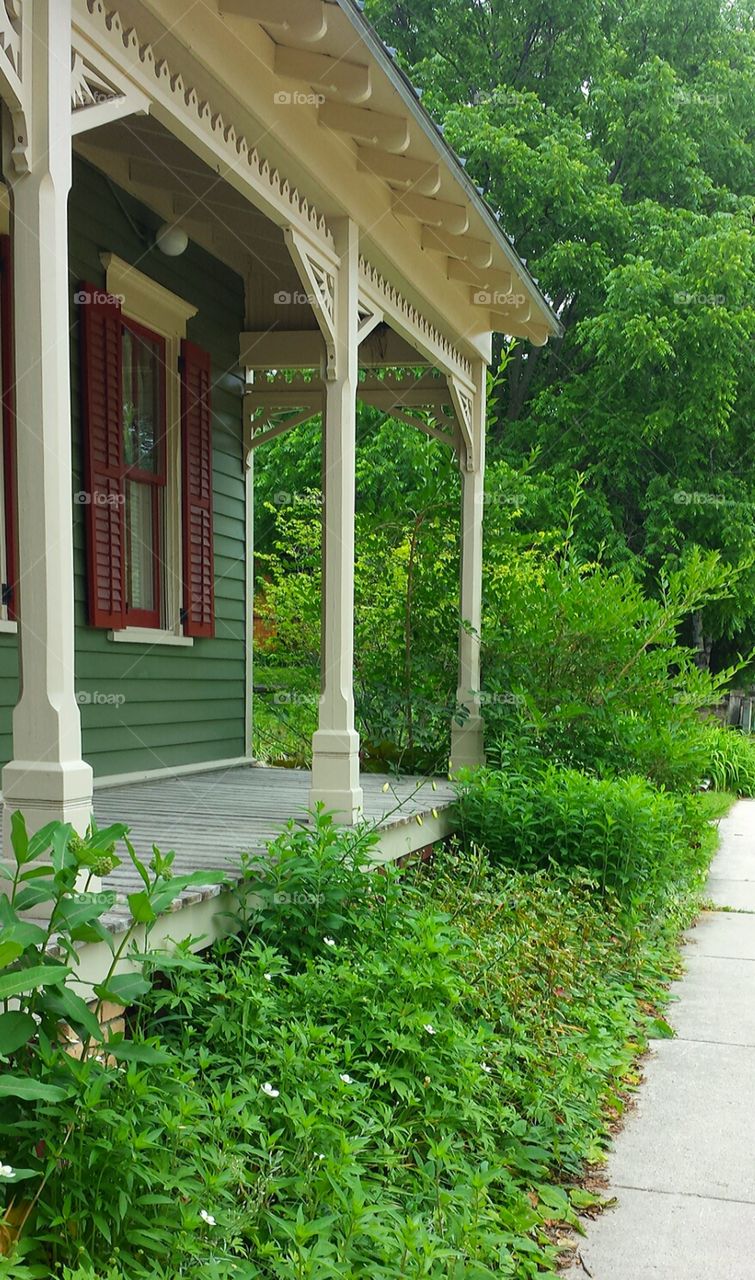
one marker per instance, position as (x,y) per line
(276,404)
(15,80)
(317,272)
(99,93)
(462,397)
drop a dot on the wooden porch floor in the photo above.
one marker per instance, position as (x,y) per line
(210,818)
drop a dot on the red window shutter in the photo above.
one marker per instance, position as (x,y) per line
(196,451)
(8,375)
(102,405)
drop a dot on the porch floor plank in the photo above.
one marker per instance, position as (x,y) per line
(211,817)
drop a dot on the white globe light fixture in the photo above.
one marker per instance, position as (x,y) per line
(171,240)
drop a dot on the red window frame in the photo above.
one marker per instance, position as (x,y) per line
(156,479)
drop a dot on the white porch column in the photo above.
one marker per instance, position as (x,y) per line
(467,745)
(47,777)
(335,743)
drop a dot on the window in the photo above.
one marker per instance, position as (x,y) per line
(144,449)
(148,457)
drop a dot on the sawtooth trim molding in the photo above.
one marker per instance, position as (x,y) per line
(199,126)
(376,294)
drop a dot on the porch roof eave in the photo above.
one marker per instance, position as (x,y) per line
(397,253)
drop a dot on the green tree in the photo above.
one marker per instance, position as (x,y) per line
(614,140)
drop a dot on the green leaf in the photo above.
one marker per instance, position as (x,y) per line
(19,837)
(35,892)
(25,932)
(130,1051)
(22,980)
(84,908)
(19,1175)
(41,840)
(138,864)
(62,855)
(32,1090)
(9,951)
(123,988)
(141,907)
(64,1003)
(15,1029)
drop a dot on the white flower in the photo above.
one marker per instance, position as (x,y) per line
(429,1028)
(329,942)
(320,1155)
(269,1090)
(6,1171)
(268,977)
(488,1070)
(346,1078)
(207,1217)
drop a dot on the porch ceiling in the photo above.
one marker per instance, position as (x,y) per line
(143,158)
(351,137)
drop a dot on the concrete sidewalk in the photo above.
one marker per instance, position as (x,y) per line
(683,1168)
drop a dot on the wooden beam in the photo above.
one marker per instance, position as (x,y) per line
(477,252)
(507,306)
(389,132)
(422,176)
(537,334)
(351,80)
(481,277)
(434,213)
(282,349)
(305,349)
(302,19)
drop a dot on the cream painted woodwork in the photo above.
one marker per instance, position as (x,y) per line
(47,777)
(280,135)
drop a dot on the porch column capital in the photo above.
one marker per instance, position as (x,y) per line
(47,777)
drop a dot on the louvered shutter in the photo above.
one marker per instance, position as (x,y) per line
(8,375)
(104,491)
(196,450)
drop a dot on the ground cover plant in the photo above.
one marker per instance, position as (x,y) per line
(380,1074)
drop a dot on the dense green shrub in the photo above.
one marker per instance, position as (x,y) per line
(622,833)
(406,1086)
(729,760)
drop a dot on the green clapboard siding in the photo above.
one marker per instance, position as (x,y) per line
(154,707)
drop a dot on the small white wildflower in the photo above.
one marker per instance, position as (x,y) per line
(346,1078)
(429,1028)
(207,1217)
(269,1090)
(488,1070)
(6,1170)
(329,942)
(320,1155)
(268,977)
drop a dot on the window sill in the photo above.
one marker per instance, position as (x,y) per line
(146,635)
(7,627)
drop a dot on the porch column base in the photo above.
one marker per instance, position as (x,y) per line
(467,744)
(335,774)
(46,793)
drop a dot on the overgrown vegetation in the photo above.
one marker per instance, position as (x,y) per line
(380,1074)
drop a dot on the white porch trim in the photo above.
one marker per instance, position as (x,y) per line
(47,777)
(467,738)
